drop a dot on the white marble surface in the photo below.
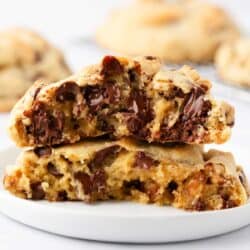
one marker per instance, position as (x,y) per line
(69,24)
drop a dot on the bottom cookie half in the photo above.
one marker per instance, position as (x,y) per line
(182,176)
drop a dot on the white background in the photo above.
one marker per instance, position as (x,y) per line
(70,25)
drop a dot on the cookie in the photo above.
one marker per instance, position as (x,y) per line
(24,58)
(122,97)
(176,31)
(182,176)
(232,62)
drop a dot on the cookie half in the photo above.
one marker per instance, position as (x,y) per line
(182,176)
(122,97)
(25,57)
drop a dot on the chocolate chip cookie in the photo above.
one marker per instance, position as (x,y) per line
(233,62)
(176,31)
(182,176)
(24,58)
(122,97)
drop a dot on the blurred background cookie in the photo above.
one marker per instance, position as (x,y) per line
(24,58)
(176,31)
(233,62)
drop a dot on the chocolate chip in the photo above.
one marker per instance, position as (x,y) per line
(134,75)
(53,170)
(62,196)
(139,112)
(150,57)
(93,184)
(67,92)
(133,184)
(195,112)
(200,205)
(209,181)
(85,181)
(99,181)
(37,191)
(45,127)
(139,103)
(111,66)
(144,161)
(172,186)
(43,151)
(99,97)
(112,93)
(194,103)
(104,156)
(229,204)
(36,93)
(134,123)
(175,92)
(104,125)
(94,97)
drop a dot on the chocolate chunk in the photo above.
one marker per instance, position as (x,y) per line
(112,93)
(194,103)
(67,92)
(99,181)
(144,161)
(43,151)
(140,111)
(133,184)
(111,66)
(62,196)
(53,170)
(195,113)
(46,128)
(37,191)
(150,57)
(134,74)
(85,181)
(139,103)
(93,184)
(104,125)
(36,92)
(94,97)
(200,205)
(104,156)
(175,92)
(134,123)
(229,204)
(99,97)
(172,186)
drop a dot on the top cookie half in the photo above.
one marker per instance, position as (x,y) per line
(122,97)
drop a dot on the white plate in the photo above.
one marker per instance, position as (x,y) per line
(118,221)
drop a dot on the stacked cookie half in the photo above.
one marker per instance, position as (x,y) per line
(126,129)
